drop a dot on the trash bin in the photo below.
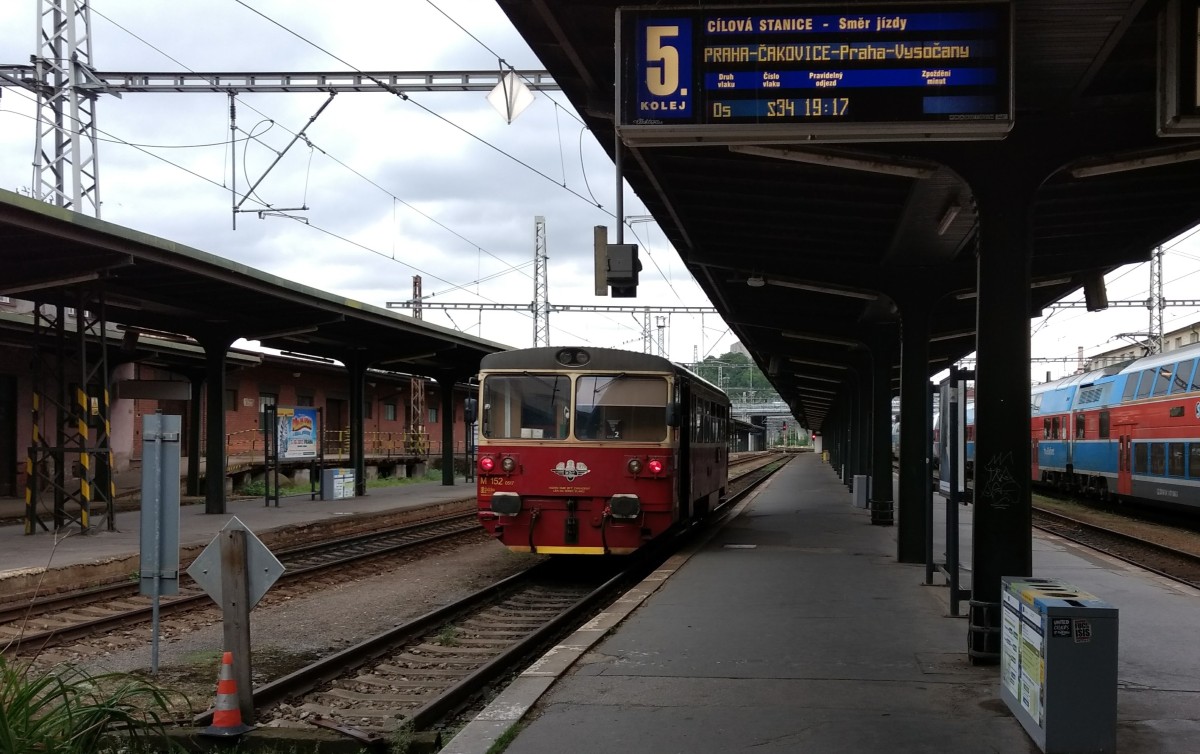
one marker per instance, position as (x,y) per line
(337,484)
(862,490)
(1058,664)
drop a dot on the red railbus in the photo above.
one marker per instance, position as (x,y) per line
(595,451)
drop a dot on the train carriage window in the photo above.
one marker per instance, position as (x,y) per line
(1163,384)
(1183,373)
(1146,383)
(1046,429)
(1080,426)
(1175,460)
(621,407)
(1131,381)
(1195,381)
(1055,428)
(1104,423)
(1158,458)
(1194,460)
(526,406)
(1141,457)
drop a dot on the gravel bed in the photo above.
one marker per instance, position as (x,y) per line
(292,633)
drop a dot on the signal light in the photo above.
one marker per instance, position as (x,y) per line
(655,466)
(487,463)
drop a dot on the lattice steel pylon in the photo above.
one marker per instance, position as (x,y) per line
(1156,303)
(65,167)
(74,462)
(416,439)
(541,285)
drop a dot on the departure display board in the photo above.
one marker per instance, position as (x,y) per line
(788,73)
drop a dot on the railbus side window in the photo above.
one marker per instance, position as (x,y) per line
(525,406)
(621,408)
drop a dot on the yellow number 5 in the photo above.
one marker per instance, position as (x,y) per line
(661,79)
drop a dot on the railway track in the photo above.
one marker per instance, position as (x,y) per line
(59,618)
(421,673)
(1171,562)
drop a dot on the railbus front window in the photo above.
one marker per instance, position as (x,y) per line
(526,406)
(621,408)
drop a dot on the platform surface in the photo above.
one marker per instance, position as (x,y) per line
(794,629)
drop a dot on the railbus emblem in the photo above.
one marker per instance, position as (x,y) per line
(570,470)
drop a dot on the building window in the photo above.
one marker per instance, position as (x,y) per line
(433,412)
(304,400)
(389,412)
(231,402)
(264,400)
(367,408)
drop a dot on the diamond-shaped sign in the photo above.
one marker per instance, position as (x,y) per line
(262,567)
(510,97)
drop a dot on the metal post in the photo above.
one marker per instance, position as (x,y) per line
(235,612)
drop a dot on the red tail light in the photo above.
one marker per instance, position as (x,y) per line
(655,466)
(487,463)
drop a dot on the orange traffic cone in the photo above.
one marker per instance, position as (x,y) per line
(227,718)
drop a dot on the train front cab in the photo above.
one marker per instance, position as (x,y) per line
(588,462)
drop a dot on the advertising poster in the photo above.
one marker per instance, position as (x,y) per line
(297,432)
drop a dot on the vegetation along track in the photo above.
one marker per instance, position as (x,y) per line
(1171,562)
(74,615)
(419,674)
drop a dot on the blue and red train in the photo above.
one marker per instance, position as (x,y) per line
(595,451)
(1131,430)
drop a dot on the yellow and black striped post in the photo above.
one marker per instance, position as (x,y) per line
(31,480)
(82,407)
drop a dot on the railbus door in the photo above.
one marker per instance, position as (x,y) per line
(1125,461)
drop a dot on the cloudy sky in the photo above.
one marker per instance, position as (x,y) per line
(438,186)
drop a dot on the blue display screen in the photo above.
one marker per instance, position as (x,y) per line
(921,63)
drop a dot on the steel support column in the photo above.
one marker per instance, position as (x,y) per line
(215,347)
(1003,513)
(356,367)
(195,417)
(915,445)
(446,388)
(883,350)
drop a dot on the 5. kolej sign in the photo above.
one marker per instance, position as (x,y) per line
(782,74)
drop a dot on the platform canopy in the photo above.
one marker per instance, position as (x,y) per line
(809,219)
(55,256)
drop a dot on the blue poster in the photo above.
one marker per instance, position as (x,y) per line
(298,432)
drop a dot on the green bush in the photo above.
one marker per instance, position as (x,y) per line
(68,711)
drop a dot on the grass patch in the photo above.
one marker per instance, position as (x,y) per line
(66,710)
(399,481)
(507,737)
(448,636)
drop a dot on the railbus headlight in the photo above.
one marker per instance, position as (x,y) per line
(635,465)
(509,464)
(487,463)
